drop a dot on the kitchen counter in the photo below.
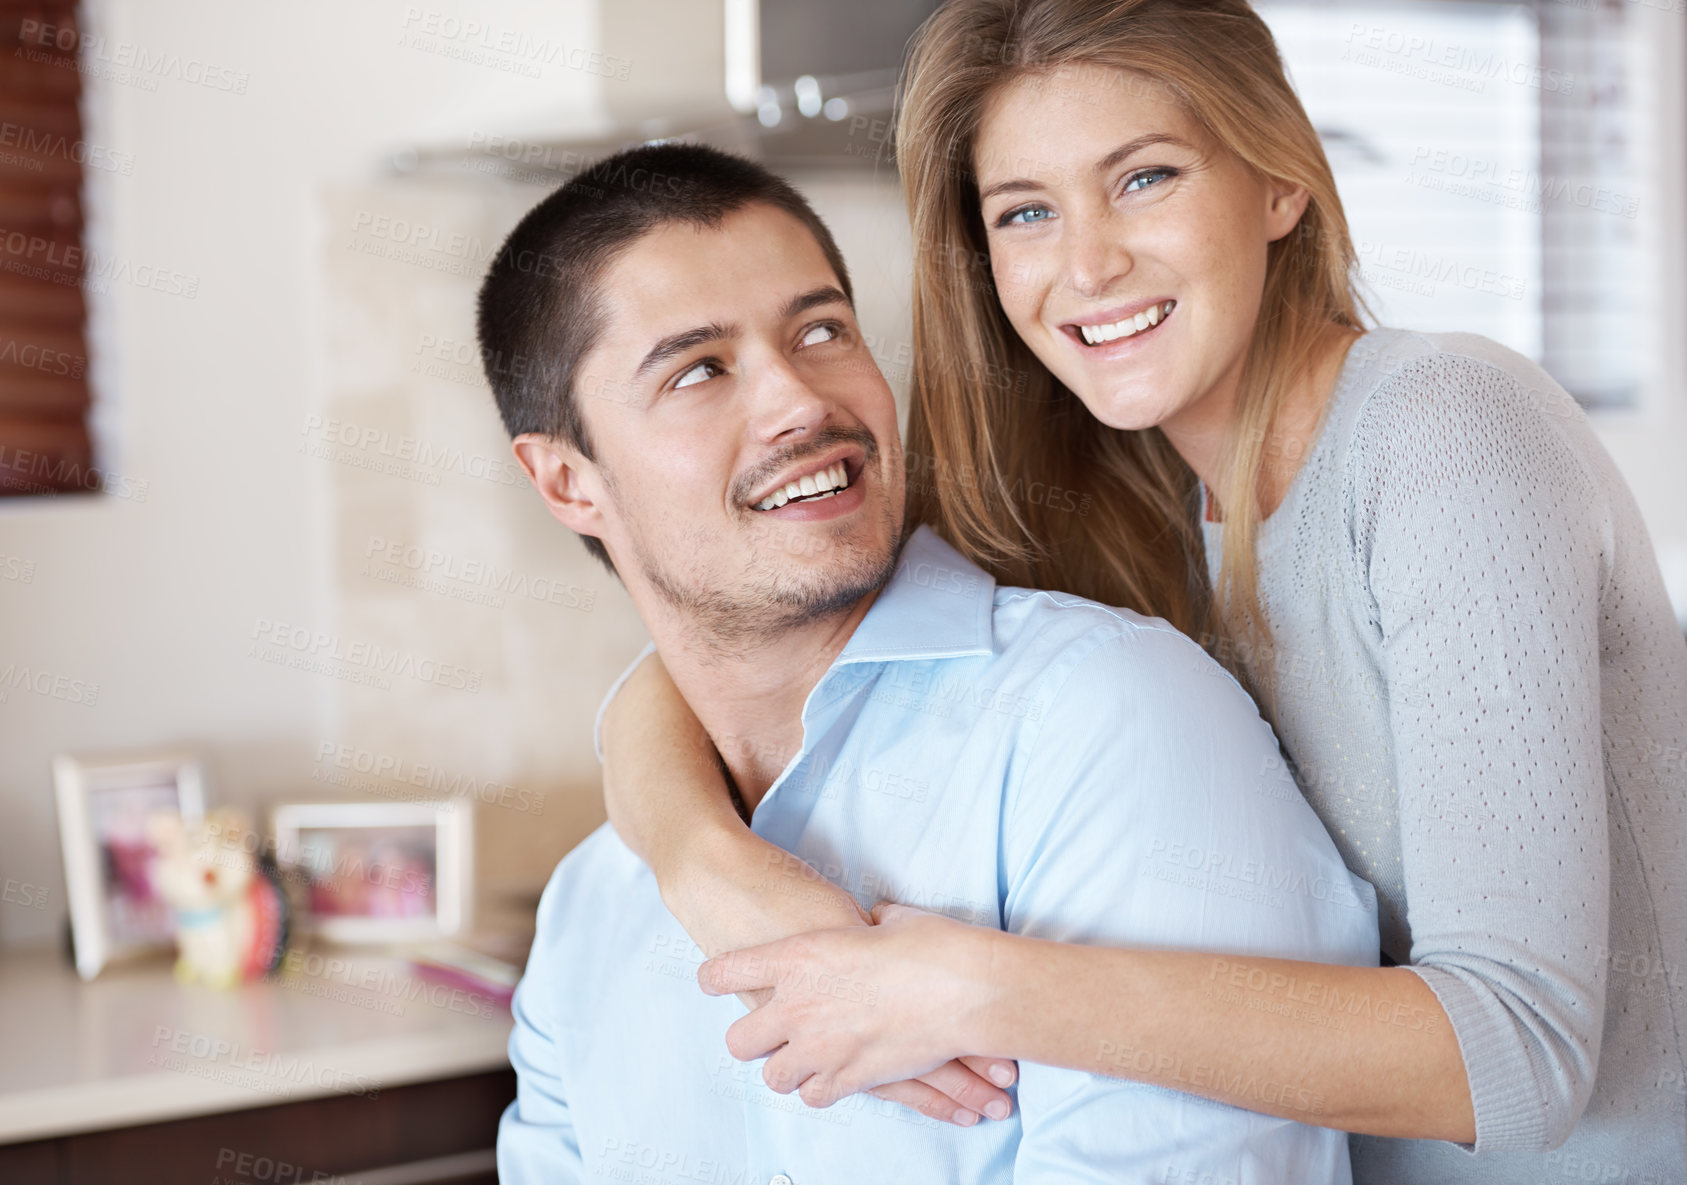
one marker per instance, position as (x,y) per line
(136,1047)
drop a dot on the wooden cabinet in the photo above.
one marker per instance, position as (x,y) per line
(427,1133)
(354,1071)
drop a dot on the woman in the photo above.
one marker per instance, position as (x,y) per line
(1423,562)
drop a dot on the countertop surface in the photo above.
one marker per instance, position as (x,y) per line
(134,1046)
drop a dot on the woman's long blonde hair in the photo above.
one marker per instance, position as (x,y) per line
(1003,459)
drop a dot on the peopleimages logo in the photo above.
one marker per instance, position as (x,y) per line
(434,570)
(52,685)
(1513,187)
(325,653)
(1435,60)
(38,142)
(509,50)
(1262,874)
(368,447)
(33,356)
(221,1060)
(436,779)
(50,259)
(38,41)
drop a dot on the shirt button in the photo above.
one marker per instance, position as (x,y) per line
(779,1179)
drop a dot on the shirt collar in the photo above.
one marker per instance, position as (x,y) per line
(937,604)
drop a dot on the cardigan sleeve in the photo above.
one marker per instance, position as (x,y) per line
(1484,544)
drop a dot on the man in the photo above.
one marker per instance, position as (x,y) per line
(701,407)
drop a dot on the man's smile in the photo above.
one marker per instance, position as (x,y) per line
(825,482)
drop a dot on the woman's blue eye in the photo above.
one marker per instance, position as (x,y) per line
(693,375)
(1026,216)
(1148,177)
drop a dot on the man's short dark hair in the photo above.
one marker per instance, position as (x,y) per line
(539,312)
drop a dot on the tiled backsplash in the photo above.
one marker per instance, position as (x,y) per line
(492,634)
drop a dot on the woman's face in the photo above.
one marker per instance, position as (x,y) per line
(1128,249)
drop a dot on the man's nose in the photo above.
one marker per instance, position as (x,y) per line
(786,407)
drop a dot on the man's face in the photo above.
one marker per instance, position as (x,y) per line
(748,468)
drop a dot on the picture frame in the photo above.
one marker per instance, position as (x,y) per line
(103,804)
(379,872)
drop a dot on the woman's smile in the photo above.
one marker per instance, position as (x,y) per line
(1133,323)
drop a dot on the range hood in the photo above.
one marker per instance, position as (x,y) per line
(796,83)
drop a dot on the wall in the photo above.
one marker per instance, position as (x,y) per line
(206,399)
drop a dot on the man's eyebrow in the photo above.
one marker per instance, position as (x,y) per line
(687,339)
(1122,153)
(798,305)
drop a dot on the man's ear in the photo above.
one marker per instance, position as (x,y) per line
(1284,205)
(557,471)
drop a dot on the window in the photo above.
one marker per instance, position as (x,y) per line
(44,401)
(1487,158)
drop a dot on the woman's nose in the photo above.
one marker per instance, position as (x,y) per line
(1096,257)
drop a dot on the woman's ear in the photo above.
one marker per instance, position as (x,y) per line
(559,473)
(1284,205)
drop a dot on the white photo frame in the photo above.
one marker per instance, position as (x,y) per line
(380,872)
(103,803)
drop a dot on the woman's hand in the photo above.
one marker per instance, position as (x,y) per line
(852,1008)
(754,892)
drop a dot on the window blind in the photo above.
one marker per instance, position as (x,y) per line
(44,396)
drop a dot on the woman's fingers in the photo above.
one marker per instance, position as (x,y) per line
(1000,1070)
(755,999)
(757,1034)
(782,1072)
(953,1093)
(969,1090)
(820,1092)
(858,1006)
(928,1101)
(738,971)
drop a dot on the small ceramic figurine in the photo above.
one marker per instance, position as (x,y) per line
(231,912)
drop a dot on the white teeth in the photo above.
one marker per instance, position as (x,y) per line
(1095,335)
(813,486)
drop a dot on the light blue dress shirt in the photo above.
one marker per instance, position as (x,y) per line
(1025,760)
